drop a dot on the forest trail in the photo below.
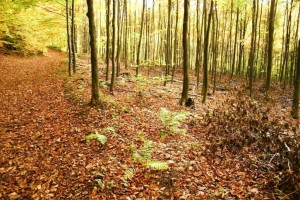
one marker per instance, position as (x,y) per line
(38,156)
(45,155)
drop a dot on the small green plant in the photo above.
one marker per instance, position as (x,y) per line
(128,175)
(126,110)
(101,138)
(158,165)
(109,129)
(163,135)
(99,182)
(172,120)
(143,155)
(98,178)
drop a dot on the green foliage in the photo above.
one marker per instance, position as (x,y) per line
(144,153)
(128,175)
(99,182)
(172,120)
(157,165)
(109,129)
(163,135)
(101,138)
(25,33)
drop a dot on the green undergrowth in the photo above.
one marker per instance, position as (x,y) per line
(143,155)
(100,137)
(173,120)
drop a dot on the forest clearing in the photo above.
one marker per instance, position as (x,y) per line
(148,99)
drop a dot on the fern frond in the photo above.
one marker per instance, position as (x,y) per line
(128,174)
(101,138)
(157,165)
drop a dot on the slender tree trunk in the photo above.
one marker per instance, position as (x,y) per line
(168,43)
(287,43)
(112,83)
(235,41)
(140,40)
(126,35)
(252,49)
(216,48)
(107,39)
(242,37)
(93,44)
(229,47)
(175,42)
(295,111)
(281,70)
(199,43)
(270,44)
(185,88)
(73,37)
(68,38)
(205,54)
(120,23)
(223,44)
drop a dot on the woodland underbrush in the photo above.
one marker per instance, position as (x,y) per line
(247,126)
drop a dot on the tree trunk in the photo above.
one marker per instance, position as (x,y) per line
(73,37)
(205,54)
(68,37)
(175,42)
(126,35)
(235,41)
(112,82)
(216,48)
(270,45)
(140,40)
(185,89)
(93,44)
(168,44)
(120,22)
(107,39)
(252,48)
(295,111)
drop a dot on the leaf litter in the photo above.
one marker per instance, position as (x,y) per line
(45,119)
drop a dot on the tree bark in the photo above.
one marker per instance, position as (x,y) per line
(68,38)
(185,89)
(205,54)
(93,44)
(295,111)
(252,48)
(175,42)
(235,41)
(140,40)
(168,44)
(107,39)
(270,45)
(73,37)
(112,83)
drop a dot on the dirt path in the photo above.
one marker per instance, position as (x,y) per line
(40,155)
(44,153)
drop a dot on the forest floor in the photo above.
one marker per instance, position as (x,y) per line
(155,148)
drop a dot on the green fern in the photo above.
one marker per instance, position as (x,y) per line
(101,138)
(143,155)
(172,120)
(158,165)
(128,174)
(108,129)
(99,182)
